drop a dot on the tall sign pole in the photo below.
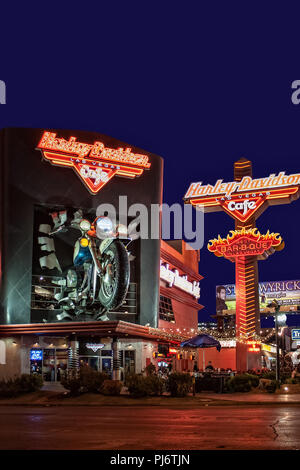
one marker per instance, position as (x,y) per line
(245,199)
(246,279)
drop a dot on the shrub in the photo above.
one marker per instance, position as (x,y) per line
(8,388)
(91,380)
(284,376)
(136,385)
(207,383)
(26,383)
(269,375)
(83,381)
(179,384)
(154,385)
(150,369)
(72,383)
(111,387)
(271,387)
(29,383)
(292,381)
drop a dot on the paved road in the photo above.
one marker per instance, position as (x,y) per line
(155,428)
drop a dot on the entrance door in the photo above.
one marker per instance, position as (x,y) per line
(55,362)
(106,363)
(90,361)
(49,371)
(61,364)
(129,362)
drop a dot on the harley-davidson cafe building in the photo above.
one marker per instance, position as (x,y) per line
(47,176)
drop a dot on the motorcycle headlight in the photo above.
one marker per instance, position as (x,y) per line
(104,227)
(122,230)
(85,225)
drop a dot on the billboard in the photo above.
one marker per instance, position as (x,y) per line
(287,293)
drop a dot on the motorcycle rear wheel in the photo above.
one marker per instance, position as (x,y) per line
(113,291)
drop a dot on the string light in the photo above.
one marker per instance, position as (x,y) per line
(180,335)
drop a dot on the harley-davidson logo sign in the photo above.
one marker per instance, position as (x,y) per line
(246,198)
(94,163)
(245,243)
(242,209)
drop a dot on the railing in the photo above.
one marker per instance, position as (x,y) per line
(43,292)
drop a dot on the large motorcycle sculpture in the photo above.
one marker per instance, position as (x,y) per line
(101,270)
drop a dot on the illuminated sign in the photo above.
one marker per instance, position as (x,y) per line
(268,348)
(242,199)
(296,334)
(173,351)
(245,243)
(253,346)
(36,355)
(245,199)
(287,294)
(228,343)
(94,163)
(94,346)
(173,278)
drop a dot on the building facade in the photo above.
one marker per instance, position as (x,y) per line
(46,178)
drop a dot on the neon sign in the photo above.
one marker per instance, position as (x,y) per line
(245,243)
(36,355)
(253,346)
(242,199)
(245,199)
(94,163)
(94,346)
(173,278)
(173,351)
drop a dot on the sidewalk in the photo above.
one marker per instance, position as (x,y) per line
(204,399)
(253,398)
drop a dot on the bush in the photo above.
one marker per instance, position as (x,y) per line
(269,375)
(179,384)
(242,383)
(8,388)
(207,383)
(72,383)
(29,383)
(91,380)
(154,385)
(26,383)
(140,386)
(136,385)
(111,387)
(271,387)
(87,380)
(284,376)
(150,369)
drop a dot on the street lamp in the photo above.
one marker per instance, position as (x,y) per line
(274,304)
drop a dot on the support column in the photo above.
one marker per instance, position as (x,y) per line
(247,305)
(73,356)
(116,359)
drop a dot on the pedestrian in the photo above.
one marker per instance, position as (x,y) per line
(209,366)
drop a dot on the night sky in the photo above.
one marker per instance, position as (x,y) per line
(202,87)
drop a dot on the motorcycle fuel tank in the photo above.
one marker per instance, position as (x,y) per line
(81,254)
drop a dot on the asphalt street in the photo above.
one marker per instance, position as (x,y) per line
(141,428)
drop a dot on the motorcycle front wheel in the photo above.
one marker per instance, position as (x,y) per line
(114,285)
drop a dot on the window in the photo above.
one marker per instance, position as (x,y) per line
(166,310)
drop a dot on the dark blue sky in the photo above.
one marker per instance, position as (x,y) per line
(199,86)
